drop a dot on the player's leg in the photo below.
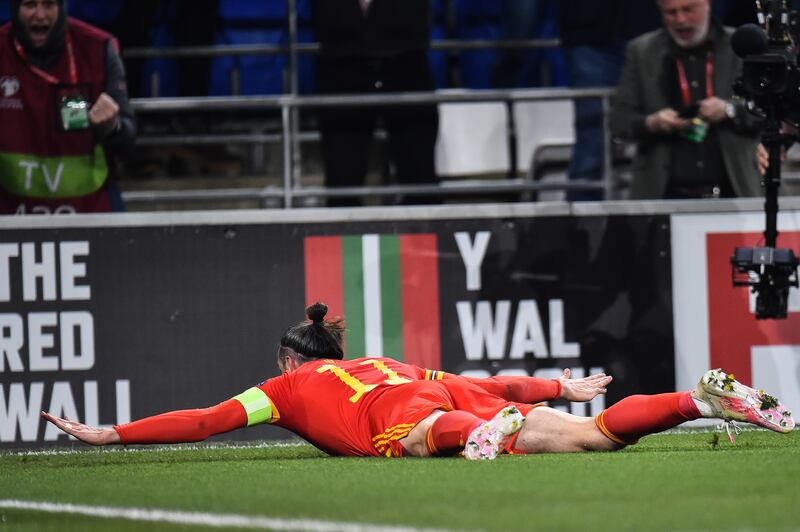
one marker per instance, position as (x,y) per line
(718,395)
(550,430)
(454,412)
(449,433)
(493,437)
(547,430)
(441,433)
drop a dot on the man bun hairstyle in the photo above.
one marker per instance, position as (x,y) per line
(316,312)
(315,338)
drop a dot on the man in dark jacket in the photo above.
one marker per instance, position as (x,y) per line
(375,46)
(675,99)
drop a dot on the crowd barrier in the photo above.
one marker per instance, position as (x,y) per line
(292,187)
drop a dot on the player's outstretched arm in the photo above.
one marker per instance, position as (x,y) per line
(535,390)
(179,426)
(583,389)
(85,433)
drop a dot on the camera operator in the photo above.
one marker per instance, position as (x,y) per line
(675,100)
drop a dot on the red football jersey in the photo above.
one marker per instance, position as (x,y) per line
(359,407)
(362,407)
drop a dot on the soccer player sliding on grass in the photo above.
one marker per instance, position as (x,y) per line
(382,407)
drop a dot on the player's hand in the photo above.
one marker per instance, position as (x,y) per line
(585,389)
(666,121)
(712,110)
(85,433)
(104,114)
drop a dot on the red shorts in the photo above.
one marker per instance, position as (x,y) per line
(400,408)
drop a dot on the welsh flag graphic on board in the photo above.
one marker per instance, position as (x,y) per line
(387,289)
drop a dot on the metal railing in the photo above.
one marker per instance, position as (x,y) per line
(178,52)
(290,136)
(292,186)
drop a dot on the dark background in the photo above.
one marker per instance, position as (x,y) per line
(192,315)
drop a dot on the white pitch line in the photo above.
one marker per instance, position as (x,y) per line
(205,519)
(156,448)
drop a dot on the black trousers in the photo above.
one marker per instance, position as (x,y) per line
(347,132)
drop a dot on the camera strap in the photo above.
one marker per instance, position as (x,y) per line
(686,93)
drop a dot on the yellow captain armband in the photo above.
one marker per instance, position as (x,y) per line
(260,408)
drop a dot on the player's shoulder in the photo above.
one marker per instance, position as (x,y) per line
(382,364)
(368,360)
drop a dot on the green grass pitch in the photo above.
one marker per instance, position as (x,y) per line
(675,481)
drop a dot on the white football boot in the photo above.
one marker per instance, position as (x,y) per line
(490,438)
(732,400)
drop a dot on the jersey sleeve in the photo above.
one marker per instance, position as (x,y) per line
(183,426)
(528,390)
(258,405)
(430,374)
(251,407)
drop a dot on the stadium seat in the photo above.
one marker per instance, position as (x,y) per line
(252,11)
(261,22)
(477,66)
(473,139)
(163,68)
(438,59)
(261,12)
(439,12)
(549,62)
(532,67)
(306,65)
(545,136)
(304,11)
(439,31)
(542,123)
(5,11)
(476,12)
(258,74)
(477,19)
(101,13)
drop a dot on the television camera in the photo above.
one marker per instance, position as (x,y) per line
(770,84)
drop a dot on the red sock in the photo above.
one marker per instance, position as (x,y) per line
(449,433)
(640,415)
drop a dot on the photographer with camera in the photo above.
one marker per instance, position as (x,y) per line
(675,100)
